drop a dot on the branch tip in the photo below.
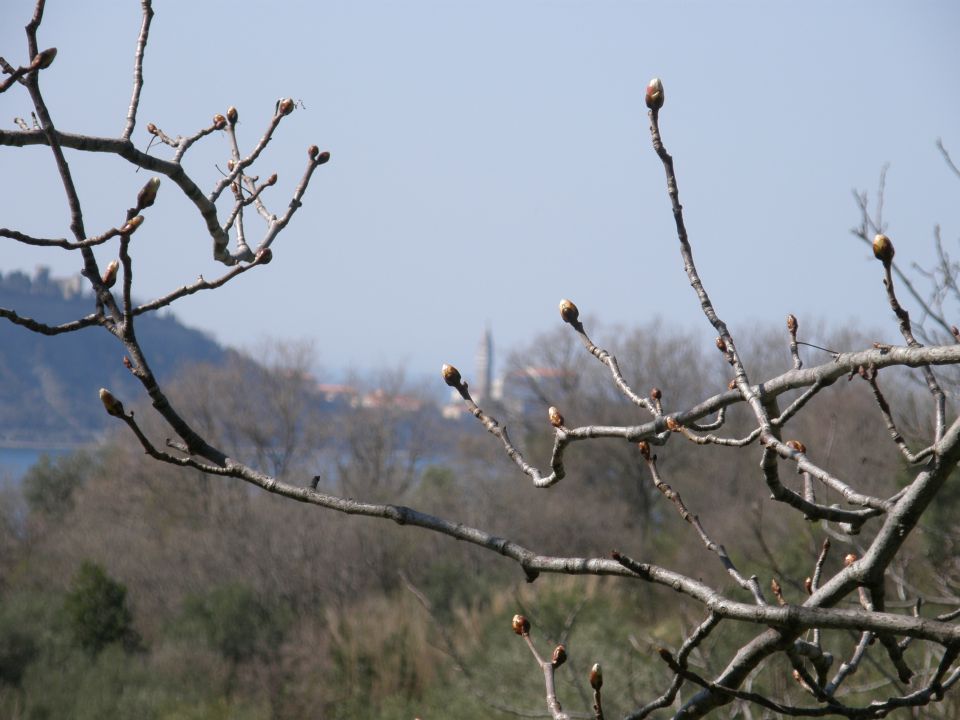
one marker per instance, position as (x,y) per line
(451,376)
(131,225)
(44,59)
(556,419)
(110,403)
(569,312)
(148,193)
(596,677)
(883,249)
(109,278)
(520,625)
(654,96)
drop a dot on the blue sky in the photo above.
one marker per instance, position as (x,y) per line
(490,158)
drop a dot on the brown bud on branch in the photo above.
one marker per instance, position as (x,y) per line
(110,274)
(264,256)
(569,312)
(232,115)
(131,225)
(219,121)
(285,107)
(644,449)
(451,376)
(520,625)
(673,425)
(777,591)
(883,249)
(110,403)
(808,585)
(556,419)
(849,559)
(654,95)
(792,324)
(272,180)
(148,193)
(313,151)
(323,157)
(797,446)
(596,677)
(44,59)
(559,656)
(721,345)
(655,394)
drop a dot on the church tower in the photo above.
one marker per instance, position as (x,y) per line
(484,381)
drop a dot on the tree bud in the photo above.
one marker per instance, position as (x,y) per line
(44,59)
(556,419)
(732,384)
(127,363)
(721,345)
(655,394)
(110,276)
(559,656)
(849,559)
(451,376)
(232,115)
(313,151)
(644,449)
(219,121)
(569,312)
(272,180)
(520,625)
(808,585)
(151,128)
(596,677)
(654,95)
(131,225)
(264,256)
(148,193)
(797,446)
(883,249)
(323,157)
(672,424)
(110,403)
(286,106)
(792,324)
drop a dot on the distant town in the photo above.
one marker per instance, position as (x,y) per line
(46,384)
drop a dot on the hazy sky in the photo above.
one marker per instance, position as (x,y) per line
(492,157)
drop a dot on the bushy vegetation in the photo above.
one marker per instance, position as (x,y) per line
(135,590)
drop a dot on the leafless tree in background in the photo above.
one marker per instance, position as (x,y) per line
(840,596)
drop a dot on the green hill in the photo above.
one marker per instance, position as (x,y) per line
(48,385)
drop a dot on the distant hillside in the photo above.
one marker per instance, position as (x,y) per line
(48,385)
